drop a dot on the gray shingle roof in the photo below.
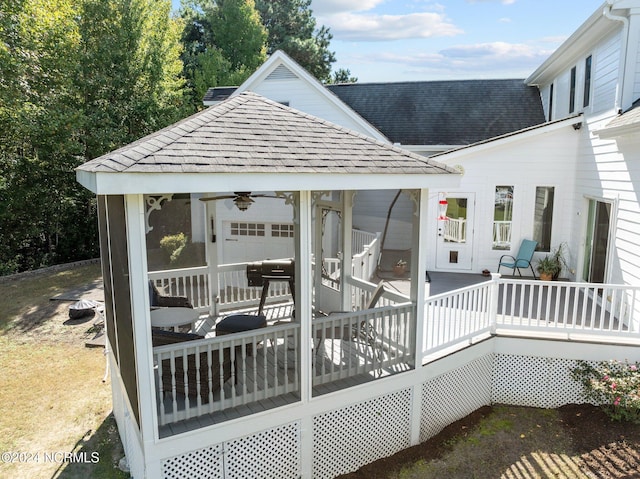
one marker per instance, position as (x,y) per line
(629,117)
(251,134)
(444,112)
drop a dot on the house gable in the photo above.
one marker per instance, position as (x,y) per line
(282,80)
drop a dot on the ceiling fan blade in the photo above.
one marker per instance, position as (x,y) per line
(214,198)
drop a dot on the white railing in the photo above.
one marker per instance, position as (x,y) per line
(235,292)
(364,263)
(208,375)
(456,317)
(455,230)
(361,342)
(190,282)
(558,310)
(502,234)
(361,240)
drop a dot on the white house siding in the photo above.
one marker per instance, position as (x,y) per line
(547,159)
(606,70)
(370,211)
(610,171)
(300,95)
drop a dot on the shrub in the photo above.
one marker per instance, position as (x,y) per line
(613,384)
(173,245)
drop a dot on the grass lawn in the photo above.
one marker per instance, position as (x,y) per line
(53,398)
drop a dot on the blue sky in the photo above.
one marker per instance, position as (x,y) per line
(398,40)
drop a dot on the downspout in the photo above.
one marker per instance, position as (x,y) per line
(623,49)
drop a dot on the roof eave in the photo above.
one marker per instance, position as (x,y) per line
(587,35)
(573,121)
(111,183)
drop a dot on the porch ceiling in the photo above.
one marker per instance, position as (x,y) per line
(248,142)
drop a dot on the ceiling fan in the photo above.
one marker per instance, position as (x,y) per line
(242,199)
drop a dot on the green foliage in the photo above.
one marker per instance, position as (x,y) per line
(78,78)
(342,75)
(173,245)
(224,43)
(553,263)
(613,384)
(292,28)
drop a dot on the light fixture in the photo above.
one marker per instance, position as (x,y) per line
(242,202)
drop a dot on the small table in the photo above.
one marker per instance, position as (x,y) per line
(173,317)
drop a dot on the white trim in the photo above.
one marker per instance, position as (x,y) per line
(280,58)
(160,183)
(583,39)
(509,138)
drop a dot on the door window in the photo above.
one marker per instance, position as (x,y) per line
(502,217)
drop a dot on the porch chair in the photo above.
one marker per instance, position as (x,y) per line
(157,300)
(160,338)
(364,330)
(521,260)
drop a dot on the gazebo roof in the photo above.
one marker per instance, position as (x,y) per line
(249,134)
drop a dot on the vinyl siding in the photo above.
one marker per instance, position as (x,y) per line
(545,160)
(606,69)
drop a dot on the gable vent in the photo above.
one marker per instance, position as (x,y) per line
(281,73)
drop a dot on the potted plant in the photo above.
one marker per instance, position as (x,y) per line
(400,267)
(551,265)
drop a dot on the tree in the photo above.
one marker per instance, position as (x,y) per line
(224,43)
(292,28)
(342,75)
(78,78)
(239,34)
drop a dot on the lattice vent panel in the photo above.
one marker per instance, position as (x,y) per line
(454,395)
(274,453)
(205,463)
(345,439)
(534,381)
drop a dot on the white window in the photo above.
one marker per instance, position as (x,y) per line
(247,229)
(282,230)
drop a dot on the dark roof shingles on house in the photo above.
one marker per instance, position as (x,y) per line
(249,133)
(444,112)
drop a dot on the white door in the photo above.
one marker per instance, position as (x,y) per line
(455,233)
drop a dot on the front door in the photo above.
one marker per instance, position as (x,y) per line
(455,233)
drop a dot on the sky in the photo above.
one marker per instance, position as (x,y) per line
(410,40)
(415,40)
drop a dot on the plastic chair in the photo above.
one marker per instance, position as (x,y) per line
(522,259)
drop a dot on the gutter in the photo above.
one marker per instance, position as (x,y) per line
(606,12)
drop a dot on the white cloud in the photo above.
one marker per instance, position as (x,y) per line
(371,27)
(504,20)
(504,2)
(486,60)
(331,7)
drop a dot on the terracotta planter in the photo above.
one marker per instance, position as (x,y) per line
(546,277)
(399,270)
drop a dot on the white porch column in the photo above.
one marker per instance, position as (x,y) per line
(212,256)
(347,250)
(136,240)
(418,267)
(304,298)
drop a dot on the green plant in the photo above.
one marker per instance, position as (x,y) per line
(553,263)
(173,245)
(613,384)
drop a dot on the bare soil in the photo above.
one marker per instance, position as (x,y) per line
(574,441)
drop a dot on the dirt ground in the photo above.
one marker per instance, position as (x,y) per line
(592,446)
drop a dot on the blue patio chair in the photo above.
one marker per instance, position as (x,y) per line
(521,260)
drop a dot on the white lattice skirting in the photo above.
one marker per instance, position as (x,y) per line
(349,437)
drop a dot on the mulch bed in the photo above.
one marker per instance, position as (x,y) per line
(609,449)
